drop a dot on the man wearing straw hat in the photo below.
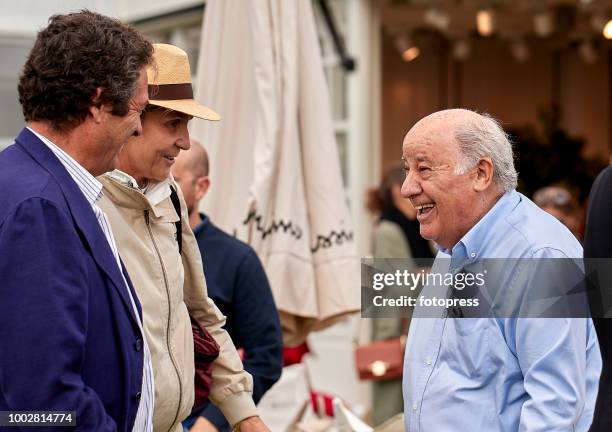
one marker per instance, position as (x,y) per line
(167,272)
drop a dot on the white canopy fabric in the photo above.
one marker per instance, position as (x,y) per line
(275,173)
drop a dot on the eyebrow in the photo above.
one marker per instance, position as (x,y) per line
(418,158)
(177,115)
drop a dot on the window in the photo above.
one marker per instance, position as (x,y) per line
(13,52)
(336,80)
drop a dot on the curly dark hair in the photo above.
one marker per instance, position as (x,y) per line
(72,57)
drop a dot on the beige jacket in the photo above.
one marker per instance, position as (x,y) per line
(170,286)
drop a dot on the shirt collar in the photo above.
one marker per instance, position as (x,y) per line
(87,183)
(472,243)
(155,191)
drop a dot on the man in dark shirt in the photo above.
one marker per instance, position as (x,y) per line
(598,250)
(237,284)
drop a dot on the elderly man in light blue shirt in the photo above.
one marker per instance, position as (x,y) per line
(489,374)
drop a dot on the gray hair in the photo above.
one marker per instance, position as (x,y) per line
(486,138)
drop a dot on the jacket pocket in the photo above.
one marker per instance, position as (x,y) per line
(184,354)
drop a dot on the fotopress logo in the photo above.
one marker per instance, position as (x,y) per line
(400,288)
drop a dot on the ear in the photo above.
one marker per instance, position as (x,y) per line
(201,187)
(483,174)
(97,110)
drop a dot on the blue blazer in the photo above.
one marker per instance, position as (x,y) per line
(69,339)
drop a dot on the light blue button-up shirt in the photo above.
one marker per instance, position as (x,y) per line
(502,374)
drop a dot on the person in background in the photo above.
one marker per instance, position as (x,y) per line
(560,203)
(397,231)
(396,235)
(70,321)
(238,285)
(598,246)
(167,274)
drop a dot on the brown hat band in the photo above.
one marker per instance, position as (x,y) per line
(170,91)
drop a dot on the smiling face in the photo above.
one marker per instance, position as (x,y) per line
(447,203)
(151,155)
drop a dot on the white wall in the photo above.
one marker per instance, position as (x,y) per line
(132,10)
(19,22)
(13,51)
(25,17)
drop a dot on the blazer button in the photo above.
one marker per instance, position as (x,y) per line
(138,345)
(138,396)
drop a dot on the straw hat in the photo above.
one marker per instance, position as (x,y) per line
(170,83)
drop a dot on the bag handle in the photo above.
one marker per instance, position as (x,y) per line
(177,207)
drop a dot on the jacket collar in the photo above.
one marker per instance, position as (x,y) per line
(123,194)
(155,191)
(81,212)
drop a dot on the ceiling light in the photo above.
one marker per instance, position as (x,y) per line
(543,23)
(437,19)
(461,49)
(587,52)
(408,50)
(519,50)
(485,22)
(411,53)
(607,30)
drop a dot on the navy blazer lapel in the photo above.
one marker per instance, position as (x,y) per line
(81,211)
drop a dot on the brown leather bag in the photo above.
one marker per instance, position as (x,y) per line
(381,360)
(205,352)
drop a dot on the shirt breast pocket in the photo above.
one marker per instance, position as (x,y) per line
(467,341)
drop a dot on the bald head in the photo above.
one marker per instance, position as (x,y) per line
(476,136)
(451,116)
(195,160)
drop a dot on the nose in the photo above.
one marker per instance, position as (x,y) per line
(183,141)
(411,186)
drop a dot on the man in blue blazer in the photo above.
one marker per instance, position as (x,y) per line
(70,324)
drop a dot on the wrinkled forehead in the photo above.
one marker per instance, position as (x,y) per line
(433,141)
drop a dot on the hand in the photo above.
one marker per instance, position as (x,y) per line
(253,424)
(203,425)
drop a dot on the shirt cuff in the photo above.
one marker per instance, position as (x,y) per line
(237,407)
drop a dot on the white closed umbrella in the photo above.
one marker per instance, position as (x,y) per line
(276,180)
